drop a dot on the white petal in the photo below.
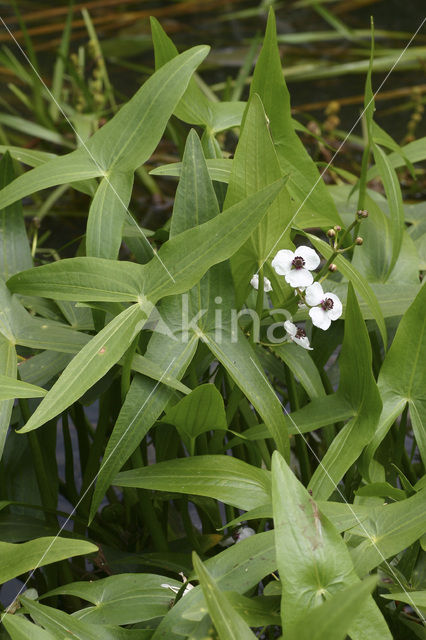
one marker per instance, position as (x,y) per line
(227,542)
(245,532)
(282,261)
(267,285)
(171,587)
(290,328)
(310,257)
(320,318)
(303,342)
(187,589)
(337,309)
(299,278)
(255,281)
(314,294)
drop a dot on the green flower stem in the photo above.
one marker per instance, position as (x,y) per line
(47,497)
(95,452)
(148,512)
(322,274)
(83,428)
(328,432)
(69,461)
(260,294)
(190,531)
(301,448)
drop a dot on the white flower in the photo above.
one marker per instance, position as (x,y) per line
(297,266)
(297,335)
(325,306)
(266,283)
(239,534)
(242,533)
(172,587)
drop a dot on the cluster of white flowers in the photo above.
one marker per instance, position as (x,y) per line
(296,267)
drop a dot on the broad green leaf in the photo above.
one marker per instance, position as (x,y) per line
(107,214)
(358,387)
(179,265)
(78,317)
(256,165)
(320,412)
(302,366)
(360,283)
(305,184)
(394,528)
(121,599)
(394,198)
(61,170)
(219,169)
(20,628)
(373,258)
(82,279)
(89,365)
(7,368)
(382,489)
(42,367)
(195,107)
(125,142)
(226,115)
(144,403)
(16,559)
(342,515)
(187,256)
(228,623)
(402,377)
(257,611)
(238,568)
(33,129)
(381,137)
(200,411)
(333,619)
(16,527)
(12,388)
(418,597)
(15,252)
(413,151)
(151,369)
(20,327)
(31,157)
(195,200)
(195,203)
(243,366)
(37,333)
(129,139)
(312,558)
(64,625)
(221,477)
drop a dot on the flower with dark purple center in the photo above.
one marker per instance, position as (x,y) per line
(296,266)
(325,306)
(297,335)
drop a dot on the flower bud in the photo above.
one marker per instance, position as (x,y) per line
(337,227)
(362,213)
(359,240)
(331,233)
(332,267)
